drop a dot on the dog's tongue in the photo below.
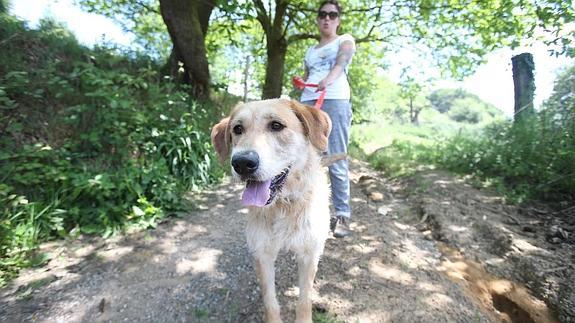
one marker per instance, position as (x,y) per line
(256,193)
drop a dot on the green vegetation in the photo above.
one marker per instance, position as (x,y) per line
(460,33)
(462,106)
(92,141)
(325,318)
(399,148)
(102,140)
(529,160)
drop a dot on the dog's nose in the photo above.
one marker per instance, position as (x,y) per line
(246,162)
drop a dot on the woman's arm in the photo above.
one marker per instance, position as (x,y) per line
(344,55)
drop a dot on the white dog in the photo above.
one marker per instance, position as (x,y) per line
(275,147)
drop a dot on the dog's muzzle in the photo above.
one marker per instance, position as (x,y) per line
(257,193)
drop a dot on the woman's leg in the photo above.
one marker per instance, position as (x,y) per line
(340,114)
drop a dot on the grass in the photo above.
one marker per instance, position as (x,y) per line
(401,149)
(201,313)
(383,132)
(325,318)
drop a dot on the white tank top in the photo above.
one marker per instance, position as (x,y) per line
(319,62)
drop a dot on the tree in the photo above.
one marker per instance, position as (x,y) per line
(460,32)
(384,101)
(442,99)
(276,46)
(461,105)
(141,18)
(412,92)
(559,109)
(230,46)
(466,110)
(187,23)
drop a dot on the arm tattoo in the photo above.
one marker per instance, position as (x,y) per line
(344,56)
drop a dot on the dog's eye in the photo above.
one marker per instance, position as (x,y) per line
(238,129)
(276,126)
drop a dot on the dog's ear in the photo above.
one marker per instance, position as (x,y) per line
(221,139)
(316,124)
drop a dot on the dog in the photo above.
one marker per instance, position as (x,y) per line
(275,148)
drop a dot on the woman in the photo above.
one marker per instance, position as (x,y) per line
(326,64)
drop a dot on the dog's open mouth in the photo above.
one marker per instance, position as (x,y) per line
(261,193)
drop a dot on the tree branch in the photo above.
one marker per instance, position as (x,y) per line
(262,16)
(148,8)
(293,38)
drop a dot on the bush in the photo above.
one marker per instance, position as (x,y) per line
(465,113)
(523,158)
(92,142)
(462,106)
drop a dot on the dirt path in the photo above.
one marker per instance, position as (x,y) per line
(197,268)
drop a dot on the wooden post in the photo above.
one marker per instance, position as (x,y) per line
(524,85)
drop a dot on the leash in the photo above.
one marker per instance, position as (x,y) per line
(300,84)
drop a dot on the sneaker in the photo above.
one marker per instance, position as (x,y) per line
(340,227)
(332,223)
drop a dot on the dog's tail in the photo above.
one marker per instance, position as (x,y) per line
(327,160)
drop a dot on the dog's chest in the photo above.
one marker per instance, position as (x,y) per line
(296,221)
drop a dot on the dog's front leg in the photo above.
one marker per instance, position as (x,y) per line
(265,270)
(307,268)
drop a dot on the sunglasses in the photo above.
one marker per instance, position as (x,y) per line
(332,14)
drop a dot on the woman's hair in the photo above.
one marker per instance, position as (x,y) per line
(333,2)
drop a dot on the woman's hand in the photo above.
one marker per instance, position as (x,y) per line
(323,84)
(298,82)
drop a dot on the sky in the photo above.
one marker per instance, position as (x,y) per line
(492,81)
(88,27)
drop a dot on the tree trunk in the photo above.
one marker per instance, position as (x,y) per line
(172,68)
(414,111)
(415,117)
(187,23)
(276,45)
(276,54)
(524,85)
(246,77)
(411,110)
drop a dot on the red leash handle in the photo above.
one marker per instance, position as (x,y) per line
(300,84)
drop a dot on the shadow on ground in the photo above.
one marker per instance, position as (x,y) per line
(197,269)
